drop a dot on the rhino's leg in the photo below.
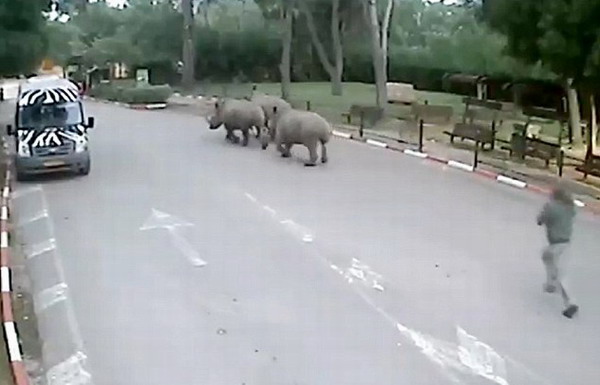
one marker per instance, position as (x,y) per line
(257,132)
(312,151)
(246,135)
(286,150)
(233,137)
(324,157)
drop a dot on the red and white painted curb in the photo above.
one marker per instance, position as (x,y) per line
(11,335)
(500,178)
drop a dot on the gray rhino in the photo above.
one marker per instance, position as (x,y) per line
(268,102)
(299,127)
(240,115)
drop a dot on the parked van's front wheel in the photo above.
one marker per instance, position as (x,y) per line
(85,170)
(22,177)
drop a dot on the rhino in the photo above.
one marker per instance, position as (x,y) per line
(299,127)
(240,115)
(267,103)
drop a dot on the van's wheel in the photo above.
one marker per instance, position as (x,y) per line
(85,170)
(22,177)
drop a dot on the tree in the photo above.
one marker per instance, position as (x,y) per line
(64,41)
(335,66)
(284,11)
(379,33)
(561,34)
(22,41)
(188,44)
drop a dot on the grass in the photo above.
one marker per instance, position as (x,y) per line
(331,107)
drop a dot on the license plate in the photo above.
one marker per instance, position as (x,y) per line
(54,163)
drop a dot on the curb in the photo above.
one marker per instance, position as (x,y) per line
(498,177)
(152,106)
(11,335)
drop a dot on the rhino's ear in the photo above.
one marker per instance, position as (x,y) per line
(274,109)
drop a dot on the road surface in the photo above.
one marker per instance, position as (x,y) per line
(189,260)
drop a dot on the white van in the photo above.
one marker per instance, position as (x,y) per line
(50,129)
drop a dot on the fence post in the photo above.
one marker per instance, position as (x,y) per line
(476,155)
(421,124)
(308,105)
(362,124)
(1,94)
(493,134)
(561,162)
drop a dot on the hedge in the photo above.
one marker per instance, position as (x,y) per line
(146,94)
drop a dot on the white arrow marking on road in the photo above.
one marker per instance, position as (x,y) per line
(159,219)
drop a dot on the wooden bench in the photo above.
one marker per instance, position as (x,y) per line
(591,166)
(366,113)
(428,113)
(542,149)
(478,123)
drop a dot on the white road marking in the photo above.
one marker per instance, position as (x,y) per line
(50,296)
(447,355)
(299,231)
(578,203)
(460,165)
(4,213)
(159,219)
(41,215)
(70,372)
(270,210)
(14,350)
(480,357)
(418,154)
(5,277)
(511,181)
(376,143)
(40,248)
(251,197)
(186,248)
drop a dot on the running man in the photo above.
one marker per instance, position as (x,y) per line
(558,215)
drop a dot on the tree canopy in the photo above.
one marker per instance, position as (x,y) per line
(22,40)
(561,34)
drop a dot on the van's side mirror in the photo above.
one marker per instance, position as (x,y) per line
(9,130)
(91,121)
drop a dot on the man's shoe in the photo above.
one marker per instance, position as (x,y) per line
(570,311)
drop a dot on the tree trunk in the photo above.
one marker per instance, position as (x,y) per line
(592,130)
(574,113)
(335,70)
(385,33)
(378,50)
(188,44)
(338,49)
(287,21)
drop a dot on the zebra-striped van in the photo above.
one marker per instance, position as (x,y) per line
(50,129)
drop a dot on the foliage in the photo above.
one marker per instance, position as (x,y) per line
(143,94)
(241,41)
(22,41)
(561,34)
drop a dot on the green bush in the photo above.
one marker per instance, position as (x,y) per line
(133,95)
(146,94)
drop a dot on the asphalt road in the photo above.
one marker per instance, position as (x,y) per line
(373,269)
